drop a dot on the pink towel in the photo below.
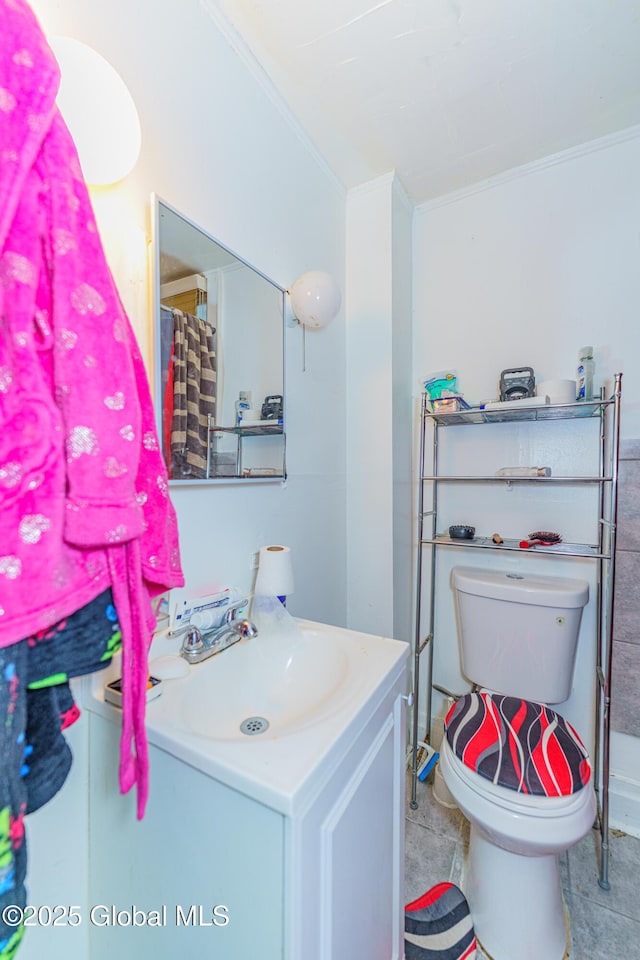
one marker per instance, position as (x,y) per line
(83,487)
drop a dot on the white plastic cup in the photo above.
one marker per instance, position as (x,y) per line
(250,415)
(558,391)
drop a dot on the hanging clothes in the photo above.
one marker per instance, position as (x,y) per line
(167,415)
(36,705)
(194,394)
(83,488)
(13,795)
(84,506)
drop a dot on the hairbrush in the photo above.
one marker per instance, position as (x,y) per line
(542,538)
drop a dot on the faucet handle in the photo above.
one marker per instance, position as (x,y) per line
(235,610)
(246,628)
(192,641)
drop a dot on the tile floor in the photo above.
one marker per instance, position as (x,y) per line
(605,925)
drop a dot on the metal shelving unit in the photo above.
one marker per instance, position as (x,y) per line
(241,434)
(607,410)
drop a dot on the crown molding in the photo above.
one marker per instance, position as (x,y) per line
(385,180)
(244,53)
(526,169)
(389,181)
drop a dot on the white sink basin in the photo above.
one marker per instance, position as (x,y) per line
(267,686)
(316,685)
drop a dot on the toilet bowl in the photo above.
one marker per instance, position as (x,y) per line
(512,878)
(515,767)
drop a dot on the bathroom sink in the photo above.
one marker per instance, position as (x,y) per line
(268,686)
(317,685)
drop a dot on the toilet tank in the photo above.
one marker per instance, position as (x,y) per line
(519,633)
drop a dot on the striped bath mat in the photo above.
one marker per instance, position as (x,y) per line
(438,926)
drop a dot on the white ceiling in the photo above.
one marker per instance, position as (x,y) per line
(446,92)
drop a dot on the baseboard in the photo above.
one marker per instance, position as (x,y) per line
(624,805)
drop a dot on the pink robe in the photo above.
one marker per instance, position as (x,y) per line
(83,487)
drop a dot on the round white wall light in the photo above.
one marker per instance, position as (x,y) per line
(315,298)
(99,111)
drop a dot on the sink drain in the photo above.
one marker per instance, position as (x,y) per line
(254,725)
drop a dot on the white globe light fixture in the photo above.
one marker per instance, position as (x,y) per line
(99,111)
(315,299)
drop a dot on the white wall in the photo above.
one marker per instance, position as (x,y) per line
(370,411)
(379,526)
(529,267)
(402,394)
(249,355)
(218,147)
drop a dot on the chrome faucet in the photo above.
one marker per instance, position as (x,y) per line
(199,645)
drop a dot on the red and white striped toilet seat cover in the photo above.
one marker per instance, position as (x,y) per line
(518,744)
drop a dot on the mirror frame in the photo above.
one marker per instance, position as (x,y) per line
(156,201)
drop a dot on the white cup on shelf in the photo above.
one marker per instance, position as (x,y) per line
(558,391)
(250,415)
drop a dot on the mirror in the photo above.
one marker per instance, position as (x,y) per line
(219,358)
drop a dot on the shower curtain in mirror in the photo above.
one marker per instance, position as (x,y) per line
(190,393)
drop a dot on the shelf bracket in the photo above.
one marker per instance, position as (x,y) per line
(427,640)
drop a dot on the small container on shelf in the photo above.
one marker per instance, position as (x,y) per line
(452,404)
(462,531)
(585,374)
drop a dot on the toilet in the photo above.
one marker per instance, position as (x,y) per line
(517,770)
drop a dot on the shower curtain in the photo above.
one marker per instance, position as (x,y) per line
(190,394)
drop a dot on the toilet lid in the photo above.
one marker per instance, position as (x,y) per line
(518,744)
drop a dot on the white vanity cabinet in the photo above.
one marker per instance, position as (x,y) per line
(321,878)
(200,844)
(344,864)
